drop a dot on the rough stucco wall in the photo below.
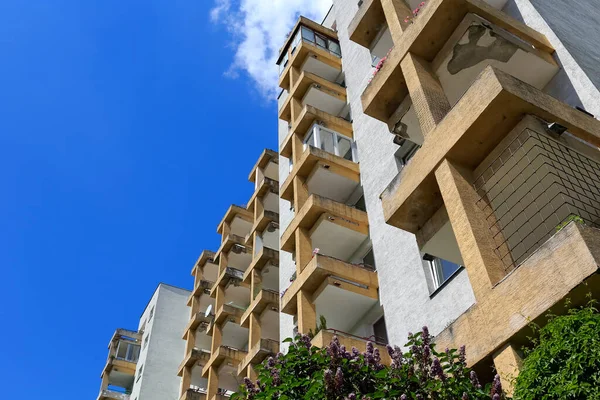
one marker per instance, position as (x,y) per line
(572,28)
(402,282)
(165,350)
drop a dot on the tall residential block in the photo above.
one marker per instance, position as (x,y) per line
(141,363)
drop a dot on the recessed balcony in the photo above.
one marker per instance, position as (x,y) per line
(265,167)
(484,116)
(229,312)
(306,120)
(310,47)
(367,23)
(325,336)
(325,174)
(265,258)
(460,38)
(228,358)
(237,251)
(334,228)
(264,299)
(258,353)
(331,282)
(266,220)
(195,357)
(205,265)
(237,221)
(200,288)
(198,321)
(194,394)
(315,91)
(265,187)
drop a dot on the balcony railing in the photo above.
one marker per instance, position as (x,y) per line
(535,184)
(307,35)
(108,394)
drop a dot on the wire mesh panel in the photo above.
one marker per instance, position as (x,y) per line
(536,184)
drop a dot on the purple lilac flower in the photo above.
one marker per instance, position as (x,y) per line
(436,369)
(328,377)
(474,380)
(351,396)
(339,379)
(462,355)
(496,386)
(465,396)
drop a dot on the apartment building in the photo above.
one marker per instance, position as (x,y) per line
(432,155)
(234,307)
(141,363)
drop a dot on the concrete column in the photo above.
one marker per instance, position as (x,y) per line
(255,284)
(251,373)
(470,227)
(226,231)
(217,338)
(295,109)
(294,75)
(213,383)
(191,342)
(304,250)
(255,331)
(223,260)
(186,380)
(219,298)
(307,313)
(195,306)
(105,382)
(395,12)
(300,193)
(508,364)
(428,97)
(297,148)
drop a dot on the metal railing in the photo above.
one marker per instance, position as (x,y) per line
(532,188)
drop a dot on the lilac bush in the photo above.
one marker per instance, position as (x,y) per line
(337,373)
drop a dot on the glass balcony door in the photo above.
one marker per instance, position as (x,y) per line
(331,142)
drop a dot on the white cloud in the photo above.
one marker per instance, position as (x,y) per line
(259,28)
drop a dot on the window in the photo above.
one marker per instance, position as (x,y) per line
(441,270)
(369,259)
(128,351)
(380,331)
(308,34)
(283,63)
(331,142)
(151,314)
(139,375)
(146,340)
(406,151)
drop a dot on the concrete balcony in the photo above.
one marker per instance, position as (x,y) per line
(229,312)
(236,250)
(194,357)
(324,174)
(307,118)
(437,37)
(325,336)
(107,394)
(229,276)
(237,221)
(265,220)
(200,288)
(367,23)
(199,320)
(265,257)
(315,91)
(205,267)
(263,300)
(227,357)
(258,353)
(484,116)
(301,52)
(328,283)
(264,187)
(334,228)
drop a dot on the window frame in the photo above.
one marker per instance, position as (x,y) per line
(314,133)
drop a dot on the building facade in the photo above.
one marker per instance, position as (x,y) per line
(140,363)
(473,146)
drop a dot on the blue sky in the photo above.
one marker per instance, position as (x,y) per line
(122,144)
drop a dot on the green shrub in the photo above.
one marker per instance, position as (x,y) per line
(564,363)
(336,373)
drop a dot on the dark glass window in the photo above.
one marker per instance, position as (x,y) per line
(380,331)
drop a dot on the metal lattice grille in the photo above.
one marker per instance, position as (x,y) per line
(533,186)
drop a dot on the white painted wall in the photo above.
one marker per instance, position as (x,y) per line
(163,354)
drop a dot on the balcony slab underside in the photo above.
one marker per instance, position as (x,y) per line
(227,276)
(264,299)
(229,241)
(229,313)
(424,38)
(261,259)
(261,223)
(120,366)
(367,22)
(323,271)
(304,50)
(308,116)
(306,81)
(206,256)
(223,355)
(319,212)
(313,158)
(258,353)
(565,266)
(486,113)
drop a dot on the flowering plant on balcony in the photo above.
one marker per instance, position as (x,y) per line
(415,13)
(336,373)
(380,64)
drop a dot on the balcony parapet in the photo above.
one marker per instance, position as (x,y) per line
(107,394)
(194,394)
(232,212)
(229,312)
(323,270)
(199,319)
(264,299)
(125,334)
(319,209)
(230,241)
(266,157)
(228,276)
(264,219)
(195,356)
(267,185)
(325,336)
(424,38)
(258,353)
(313,158)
